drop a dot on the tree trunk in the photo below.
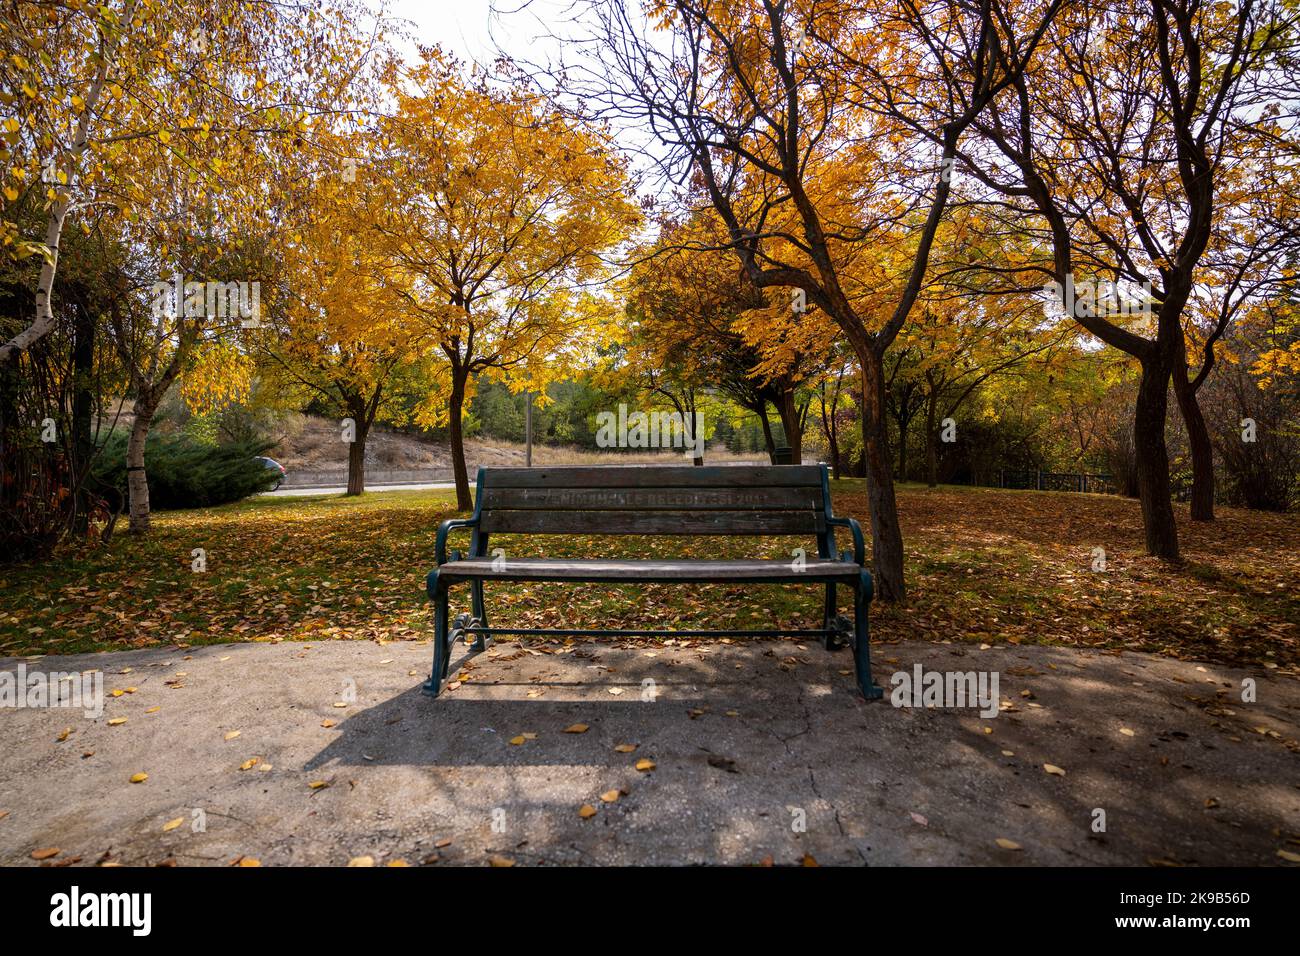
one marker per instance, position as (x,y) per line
(357,456)
(932,441)
(1153,460)
(788,409)
(137,482)
(456,434)
(1198,439)
(696,441)
(886,536)
(83,359)
(902,448)
(767,434)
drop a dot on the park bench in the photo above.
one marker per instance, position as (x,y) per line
(654,500)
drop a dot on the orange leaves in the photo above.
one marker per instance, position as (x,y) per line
(496,228)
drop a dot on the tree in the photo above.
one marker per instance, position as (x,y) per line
(797,124)
(969,327)
(831,402)
(187,105)
(499,212)
(693,308)
(1117,143)
(340,331)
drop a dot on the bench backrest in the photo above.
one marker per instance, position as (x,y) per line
(668,500)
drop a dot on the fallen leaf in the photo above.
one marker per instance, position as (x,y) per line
(318,784)
(1289,856)
(327,723)
(116,721)
(1054,770)
(500,861)
(576,729)
(45,853)
(172,824)
(1126,732)
(609,796)
(247,861)
(139,777)
(250,763)
(586,811)
(64,734)
(518,741)
(808,860)
(397,862)
(645,764)
(920,820)
(232,735)
(362,861)
(626,748)
(1008,844)
(153,710)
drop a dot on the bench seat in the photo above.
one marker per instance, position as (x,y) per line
(747,571)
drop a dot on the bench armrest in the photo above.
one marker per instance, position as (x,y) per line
(451,524)
(859,544)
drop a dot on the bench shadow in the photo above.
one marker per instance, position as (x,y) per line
(459,730)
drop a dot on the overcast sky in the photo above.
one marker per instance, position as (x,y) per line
(469,27)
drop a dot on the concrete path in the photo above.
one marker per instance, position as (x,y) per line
(755,752)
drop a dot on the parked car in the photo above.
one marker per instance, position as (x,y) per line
(270,464)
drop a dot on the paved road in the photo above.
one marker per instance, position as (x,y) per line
(757,751)
(339,489)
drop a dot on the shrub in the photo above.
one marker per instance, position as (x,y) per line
(186,473)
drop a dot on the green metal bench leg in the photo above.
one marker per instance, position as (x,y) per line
(441,644)
(828,618)
(476,596)
(861,640)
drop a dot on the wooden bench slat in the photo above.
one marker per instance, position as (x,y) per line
(656,476)
(661,569)
(653,522)
(653,499)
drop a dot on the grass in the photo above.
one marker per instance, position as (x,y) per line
(984,565)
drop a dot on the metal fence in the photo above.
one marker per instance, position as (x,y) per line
(1057,481)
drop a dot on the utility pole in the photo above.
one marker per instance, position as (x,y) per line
(528,431)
